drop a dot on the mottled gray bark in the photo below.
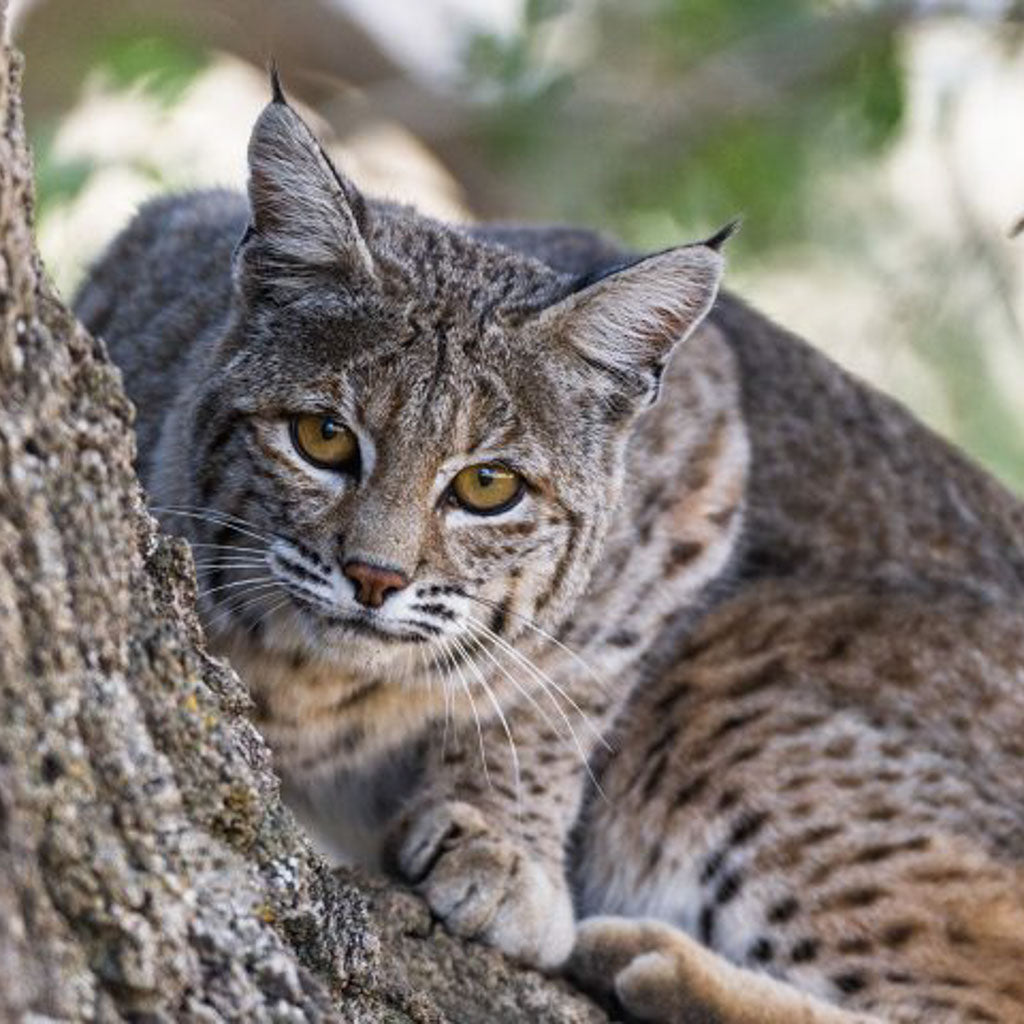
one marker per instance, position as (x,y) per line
(148,871)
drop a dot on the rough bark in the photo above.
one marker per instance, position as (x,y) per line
(148,870)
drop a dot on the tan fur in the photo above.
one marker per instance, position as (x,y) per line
(662,975)
(746,658)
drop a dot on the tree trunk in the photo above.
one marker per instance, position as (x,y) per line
(148,870)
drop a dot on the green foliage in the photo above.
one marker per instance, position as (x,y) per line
(799,88)
(160,64)
(57,181)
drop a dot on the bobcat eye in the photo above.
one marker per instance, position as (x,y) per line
(325,442)
(487,489)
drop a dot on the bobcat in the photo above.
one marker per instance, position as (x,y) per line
(566,589)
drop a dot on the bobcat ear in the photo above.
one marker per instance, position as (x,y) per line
(627,322)
(306,218)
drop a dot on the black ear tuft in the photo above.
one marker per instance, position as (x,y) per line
(722,235)
(276,92)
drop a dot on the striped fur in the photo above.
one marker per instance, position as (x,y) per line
(751,641)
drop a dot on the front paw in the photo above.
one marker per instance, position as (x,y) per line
(484,886)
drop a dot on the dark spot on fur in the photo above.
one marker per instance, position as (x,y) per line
(862,896)
(706,924)
(681,553)
(762,951)
(840,748)
(690,792)
(653,860)
(801,723)
(729,888)
(818,834)
(499,617)
(724,516)
(729,799)
(623,638)
(783,911)
(836,649)
(805,951)
(797,782)
(821,874)
(712,866)
(939,876)
(734,722)
(899,978)
(666,704)
(662,743)
(858,946)
(876,853)
(747,827)
(654,776)
(848,984)
(744,754)
(881,814)
(896,936)
(933,1003)
(652,499)
(771,673)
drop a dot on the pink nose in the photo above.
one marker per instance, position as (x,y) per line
(374,584)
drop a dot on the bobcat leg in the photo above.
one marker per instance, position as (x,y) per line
(659,974)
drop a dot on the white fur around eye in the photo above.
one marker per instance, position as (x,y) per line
(457,517)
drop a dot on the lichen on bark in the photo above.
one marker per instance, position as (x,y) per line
(148,870)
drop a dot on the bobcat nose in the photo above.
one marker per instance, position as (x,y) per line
(374,584)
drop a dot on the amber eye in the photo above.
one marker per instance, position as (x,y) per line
(325,442)
(487,489)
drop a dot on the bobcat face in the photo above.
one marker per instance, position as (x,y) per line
(423,434)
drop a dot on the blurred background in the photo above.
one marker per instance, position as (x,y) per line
(875,150)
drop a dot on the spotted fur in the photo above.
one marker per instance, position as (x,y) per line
(746,660)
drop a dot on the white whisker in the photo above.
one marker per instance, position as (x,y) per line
(263,616)
(232,563)
(236,604)
(476,717)
(546,683)
(541,675)
(236,583)
(228,548)
(213,517)
(504,724)
(446,691)
(530,624)
(534,703)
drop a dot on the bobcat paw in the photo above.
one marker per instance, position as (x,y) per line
(484,886)
(635,964)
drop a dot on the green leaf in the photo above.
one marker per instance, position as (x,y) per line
(162,65)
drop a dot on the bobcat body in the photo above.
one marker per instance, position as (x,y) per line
(736,675)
